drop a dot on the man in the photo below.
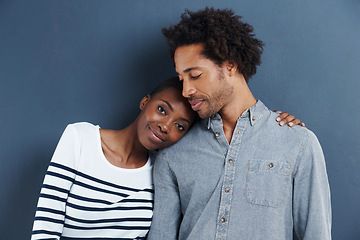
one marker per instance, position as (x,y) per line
(236,174)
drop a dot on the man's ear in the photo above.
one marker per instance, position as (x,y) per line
(231,67)
(144,101)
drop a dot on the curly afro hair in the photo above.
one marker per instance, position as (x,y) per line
(225,36)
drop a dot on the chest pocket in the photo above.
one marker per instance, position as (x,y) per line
(267,181)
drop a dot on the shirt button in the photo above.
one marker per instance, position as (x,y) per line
(217,134)
(223,220)
(230,161)
(271,165)
(238,131)
(227,190)
(253,118)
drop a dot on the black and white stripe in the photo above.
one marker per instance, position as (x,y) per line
(75,204)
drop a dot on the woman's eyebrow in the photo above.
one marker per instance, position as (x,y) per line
(184,119)
(167,103)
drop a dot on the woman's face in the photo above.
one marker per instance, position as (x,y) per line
(164,119)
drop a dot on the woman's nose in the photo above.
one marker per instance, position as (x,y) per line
(164,127)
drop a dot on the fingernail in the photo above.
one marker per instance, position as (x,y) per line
(281,123)
(278,119)
(290,124)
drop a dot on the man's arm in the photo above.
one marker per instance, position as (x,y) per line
(311,207)
(167,212)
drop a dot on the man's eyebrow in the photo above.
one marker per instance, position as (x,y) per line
(188,70)
(167,103)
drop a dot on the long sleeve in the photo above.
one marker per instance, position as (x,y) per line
(167,212)
(50,212)
(312,207)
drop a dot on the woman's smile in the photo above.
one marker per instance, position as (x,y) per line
(156,135)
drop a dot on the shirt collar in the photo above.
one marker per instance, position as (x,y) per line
(253,113)
(256,112)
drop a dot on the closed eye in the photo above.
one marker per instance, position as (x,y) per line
(195,77)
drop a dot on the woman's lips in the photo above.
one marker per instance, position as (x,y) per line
(156,135)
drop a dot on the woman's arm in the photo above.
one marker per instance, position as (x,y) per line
(50,211)
(289,119)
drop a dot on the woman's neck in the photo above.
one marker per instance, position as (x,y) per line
(122,147)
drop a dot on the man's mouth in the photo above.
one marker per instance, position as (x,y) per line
(196,104)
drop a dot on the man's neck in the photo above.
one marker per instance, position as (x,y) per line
(243,99)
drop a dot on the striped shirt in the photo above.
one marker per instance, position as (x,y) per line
(84,196)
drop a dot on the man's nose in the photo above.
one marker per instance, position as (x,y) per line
(188,89)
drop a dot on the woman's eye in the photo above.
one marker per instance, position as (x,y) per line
(161,109)
(195,77)
(180,127)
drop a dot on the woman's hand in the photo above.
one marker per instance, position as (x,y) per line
(289,119)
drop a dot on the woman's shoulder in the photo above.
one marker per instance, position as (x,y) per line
(82,129)
(83,126)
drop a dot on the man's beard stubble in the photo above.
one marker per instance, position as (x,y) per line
(217,99)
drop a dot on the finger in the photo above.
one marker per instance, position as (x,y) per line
(287,120)
(294,122)
(302,124)
(282,116)
(277,111)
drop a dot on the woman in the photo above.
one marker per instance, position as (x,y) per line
(99,182)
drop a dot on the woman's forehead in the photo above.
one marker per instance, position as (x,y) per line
(169,91)
(173,96)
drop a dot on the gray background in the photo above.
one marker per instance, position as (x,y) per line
(70,61)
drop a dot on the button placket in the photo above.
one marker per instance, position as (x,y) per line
(229,175)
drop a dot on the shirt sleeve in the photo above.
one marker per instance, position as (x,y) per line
(50,211)
(167,211)
(311,207)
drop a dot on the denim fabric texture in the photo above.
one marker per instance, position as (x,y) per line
(270,182)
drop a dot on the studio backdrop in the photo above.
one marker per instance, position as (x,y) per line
(70,61)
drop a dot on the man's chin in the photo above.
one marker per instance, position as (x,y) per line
(204,114)
(206,111)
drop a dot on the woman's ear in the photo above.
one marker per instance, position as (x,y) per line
(144,101)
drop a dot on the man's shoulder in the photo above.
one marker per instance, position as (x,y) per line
(271,124)
(194,137)
(270,130)
(197,130)
(264,120)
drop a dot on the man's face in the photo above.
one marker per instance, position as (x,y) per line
(204,83)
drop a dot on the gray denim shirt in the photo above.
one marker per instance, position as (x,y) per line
(270,182)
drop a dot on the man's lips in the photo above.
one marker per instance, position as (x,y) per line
(157,135)
(196,104)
